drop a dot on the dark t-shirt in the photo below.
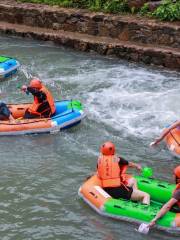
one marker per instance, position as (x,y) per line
(44,108)
(176,195)
(123,162)
(37,93)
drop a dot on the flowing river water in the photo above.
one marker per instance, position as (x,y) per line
(126,103)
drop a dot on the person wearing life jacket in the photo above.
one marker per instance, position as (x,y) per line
(111,171)
(165,133)
(175,199)
(5,113)
(43,105)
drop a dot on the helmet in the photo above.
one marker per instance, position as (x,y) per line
(35,83)
(108,148)
(177,171)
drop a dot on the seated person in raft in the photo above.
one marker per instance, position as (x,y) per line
(43,105)
(111,171)
(5,113)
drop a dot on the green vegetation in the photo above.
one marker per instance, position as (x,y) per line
(144,11)
(111,6)
(116,6)
(169,9)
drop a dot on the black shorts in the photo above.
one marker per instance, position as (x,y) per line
(119,192)
(29,115)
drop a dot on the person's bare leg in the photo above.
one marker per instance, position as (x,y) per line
(132,183)
(138,195)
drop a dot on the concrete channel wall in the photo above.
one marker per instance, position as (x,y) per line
(128,37)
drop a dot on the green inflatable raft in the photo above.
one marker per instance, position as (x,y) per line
(159,191)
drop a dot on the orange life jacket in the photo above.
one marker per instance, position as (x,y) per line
(109,171)
(35,105)
(176,189)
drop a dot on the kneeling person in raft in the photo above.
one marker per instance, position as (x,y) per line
(43,105)
(111,171)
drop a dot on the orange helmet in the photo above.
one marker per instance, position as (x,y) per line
(177,171)
(35,83)
(108,148)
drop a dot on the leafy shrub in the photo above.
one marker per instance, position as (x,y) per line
(168,10)
(95,5)
(66,3)
(144,9)
(111,6)
(116,6)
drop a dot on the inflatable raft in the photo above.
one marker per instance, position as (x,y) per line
(93,194)
(68,113)
(172,141)
(8,66)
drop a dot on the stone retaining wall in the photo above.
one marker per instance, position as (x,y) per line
(127,37)
(124,28)
(102,45)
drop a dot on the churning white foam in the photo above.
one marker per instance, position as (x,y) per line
(136,100)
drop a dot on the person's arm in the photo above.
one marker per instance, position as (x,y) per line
(11,118)
(135,165)
(124,162)
(37,93)
(165,133)
(166,207)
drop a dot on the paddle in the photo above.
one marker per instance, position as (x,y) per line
(143,228)
(152,144)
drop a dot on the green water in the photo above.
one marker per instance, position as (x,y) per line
(40,174)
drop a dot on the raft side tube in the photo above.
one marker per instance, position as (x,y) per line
(92,191)
(160,191)
(172,141)
(138,211)
(8,66)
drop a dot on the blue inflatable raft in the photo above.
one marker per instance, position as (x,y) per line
(68,113)
(8,66)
